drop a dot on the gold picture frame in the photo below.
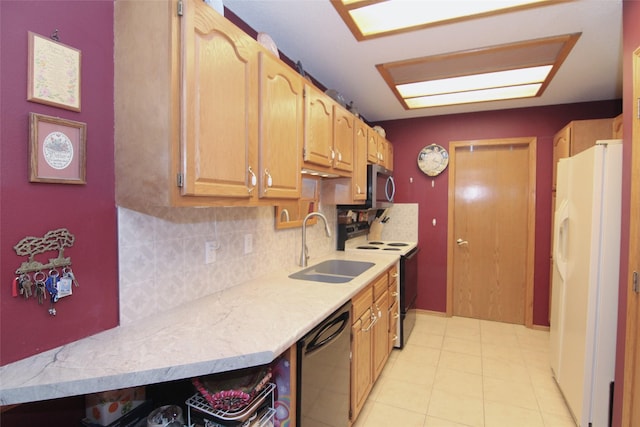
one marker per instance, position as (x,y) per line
(57,150)
(54,73)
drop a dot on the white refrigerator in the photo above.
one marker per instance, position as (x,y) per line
(586,257)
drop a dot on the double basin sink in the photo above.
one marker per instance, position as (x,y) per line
(333,271)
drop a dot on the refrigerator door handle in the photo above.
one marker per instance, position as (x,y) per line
(561,222)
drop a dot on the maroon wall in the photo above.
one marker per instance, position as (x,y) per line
(631,37)
(32,209)
(411,135)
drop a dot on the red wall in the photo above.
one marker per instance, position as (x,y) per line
(411,135)
(631,37)
(32,209)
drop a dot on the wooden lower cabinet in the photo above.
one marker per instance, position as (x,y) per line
(370,339)
(361,355)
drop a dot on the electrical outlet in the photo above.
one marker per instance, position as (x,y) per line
(248,243)
(210,252)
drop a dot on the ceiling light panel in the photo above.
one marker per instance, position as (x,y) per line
(490,73)
(374,18)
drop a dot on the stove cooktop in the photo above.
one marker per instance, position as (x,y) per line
(376,246)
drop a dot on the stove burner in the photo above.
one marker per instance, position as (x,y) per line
(392,249)
(368,247)
(397,244)
(376,243)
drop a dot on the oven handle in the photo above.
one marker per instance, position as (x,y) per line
(315,345)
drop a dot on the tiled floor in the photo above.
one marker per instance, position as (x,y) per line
(457,372)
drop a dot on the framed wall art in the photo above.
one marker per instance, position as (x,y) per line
(57,150)
(54,73)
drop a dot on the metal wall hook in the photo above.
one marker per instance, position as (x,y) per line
(54,35)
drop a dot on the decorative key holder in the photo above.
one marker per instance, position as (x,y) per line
(54,278)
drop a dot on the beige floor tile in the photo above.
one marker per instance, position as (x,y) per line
(465,322)
(426,339)
(438,422)
(553,420)
(510,393)
(461,383)
(463,332)
(401,394)
(459,345)
(501,415)
(505,353)
(504,369)
(416,354)
(415,373)
(382,415)
(456,407)
(460,362)
(550,400)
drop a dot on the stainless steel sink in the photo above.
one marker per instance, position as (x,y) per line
(333,271)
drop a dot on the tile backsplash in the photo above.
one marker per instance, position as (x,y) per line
(162,256)
(402,224)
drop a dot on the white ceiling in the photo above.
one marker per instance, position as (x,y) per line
(311,31)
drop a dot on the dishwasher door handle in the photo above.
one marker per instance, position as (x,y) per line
(318,341)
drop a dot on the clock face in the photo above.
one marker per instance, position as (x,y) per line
(433,159)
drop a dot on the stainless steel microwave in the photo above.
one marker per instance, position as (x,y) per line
(381,189)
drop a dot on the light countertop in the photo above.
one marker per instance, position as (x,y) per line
(247,325)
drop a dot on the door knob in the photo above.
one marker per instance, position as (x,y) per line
(461,242)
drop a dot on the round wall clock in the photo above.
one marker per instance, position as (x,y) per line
(433,159)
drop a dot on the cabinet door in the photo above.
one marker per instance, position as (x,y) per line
(343,122)
(389,161)
(318,127)
(359,178)
(380,334)
(281,129)
(372,146)
(219,87)
(361,363)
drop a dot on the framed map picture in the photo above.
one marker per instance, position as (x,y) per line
(54,73)
(57,150)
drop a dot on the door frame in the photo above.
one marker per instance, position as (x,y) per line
(531,143)
(631,385)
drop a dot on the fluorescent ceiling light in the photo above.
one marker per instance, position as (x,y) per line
(495,94)
(397,14)
(515,70)
(475,82)
(372,18)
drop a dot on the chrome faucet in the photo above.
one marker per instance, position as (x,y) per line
(304,254)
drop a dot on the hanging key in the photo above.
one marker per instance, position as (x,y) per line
(40,286)
(25,286)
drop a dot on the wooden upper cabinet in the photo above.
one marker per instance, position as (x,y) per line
(359,177)
(578,136)
(389,158)
(343,128)
(280,128)
(373,156)
(318,127)
(219,64)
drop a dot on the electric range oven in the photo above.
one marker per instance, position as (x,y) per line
(408,280)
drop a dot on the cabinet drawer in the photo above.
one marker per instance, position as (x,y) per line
(362,302)
(380,285)
(393,275)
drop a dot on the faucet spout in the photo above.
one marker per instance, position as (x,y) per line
(304,253)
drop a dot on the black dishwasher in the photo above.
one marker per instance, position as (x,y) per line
(323,372)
